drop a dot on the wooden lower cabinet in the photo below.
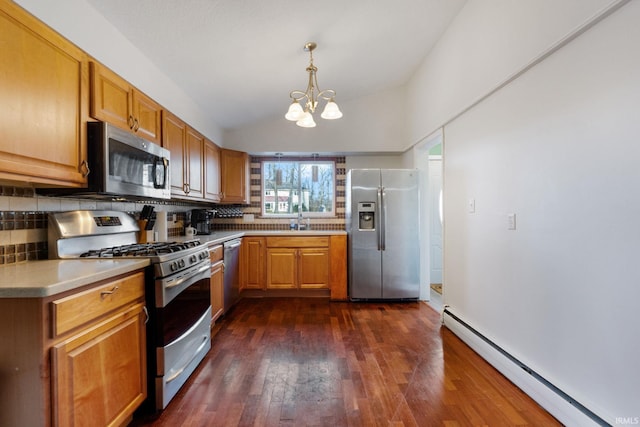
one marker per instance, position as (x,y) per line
(77,358)
(297,268)
(216,256)
(298,262)
(99,375)
(282,268)
(295,263)
(217,290)
(313,268)
(252,264)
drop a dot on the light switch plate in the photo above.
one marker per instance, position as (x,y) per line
(472,205)
(511,221)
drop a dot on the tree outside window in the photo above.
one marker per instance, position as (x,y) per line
(290,187)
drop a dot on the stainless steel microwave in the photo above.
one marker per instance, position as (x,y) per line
(122,165)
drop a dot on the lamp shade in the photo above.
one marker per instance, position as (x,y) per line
(331,111)
(306,121)
(295,112)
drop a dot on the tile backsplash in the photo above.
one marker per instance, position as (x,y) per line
(24,215)
(24,220)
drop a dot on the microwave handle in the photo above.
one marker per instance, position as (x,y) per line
(164,163)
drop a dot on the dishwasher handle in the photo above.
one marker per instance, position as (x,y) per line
(232,244)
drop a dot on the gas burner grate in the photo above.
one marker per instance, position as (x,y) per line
(141,249)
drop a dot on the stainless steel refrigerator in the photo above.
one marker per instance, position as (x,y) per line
(382,221)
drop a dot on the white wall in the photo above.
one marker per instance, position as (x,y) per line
(486,43)
(374,161)
(371,124)
(80,23)
(558,147)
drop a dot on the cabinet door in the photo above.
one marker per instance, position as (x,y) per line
(338,267)
(217,291)
(252,263)
(174,134)
(44,103)
(282,268)
(110,97)
(195,164)
(234,167)
(147,117)
(314,268)
(99,376)
(211,171)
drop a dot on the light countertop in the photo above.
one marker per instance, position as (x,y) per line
(217,237)
(37,279)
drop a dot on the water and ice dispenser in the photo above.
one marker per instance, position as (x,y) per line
(366,216)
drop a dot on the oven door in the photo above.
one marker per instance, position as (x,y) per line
(182,331)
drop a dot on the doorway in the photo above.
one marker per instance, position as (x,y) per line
(429,160)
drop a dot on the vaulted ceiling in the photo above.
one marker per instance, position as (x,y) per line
(239,59)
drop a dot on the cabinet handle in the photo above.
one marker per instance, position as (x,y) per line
(130,122)
(136,125)
(103,294)
(85,167)
(146,313)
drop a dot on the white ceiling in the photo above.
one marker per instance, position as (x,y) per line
(239,59)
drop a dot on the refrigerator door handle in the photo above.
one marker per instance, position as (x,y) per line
(383,220)
(379,215)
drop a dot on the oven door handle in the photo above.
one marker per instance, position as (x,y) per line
(182,279)
(195,354)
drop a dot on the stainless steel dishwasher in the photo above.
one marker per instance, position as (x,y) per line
(231,279)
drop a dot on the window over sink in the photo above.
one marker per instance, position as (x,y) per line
(293,186)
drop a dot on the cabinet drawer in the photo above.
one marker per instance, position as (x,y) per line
(298,242)
(78,309)
(216,253)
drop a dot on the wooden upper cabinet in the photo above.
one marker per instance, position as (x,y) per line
(211,171)
(187,162)
(44,106)
(174,136)
(147,117)
(115,101)
(195,164)
(234,170)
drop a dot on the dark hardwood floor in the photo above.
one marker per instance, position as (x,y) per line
(311,362)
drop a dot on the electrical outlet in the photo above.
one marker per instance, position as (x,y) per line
(472,205)
(511,221)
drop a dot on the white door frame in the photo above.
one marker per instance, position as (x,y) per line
(421,162)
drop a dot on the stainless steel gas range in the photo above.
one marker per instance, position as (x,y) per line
(177,290)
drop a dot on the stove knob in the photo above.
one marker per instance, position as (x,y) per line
(193,259)
(181,263)
(174,266)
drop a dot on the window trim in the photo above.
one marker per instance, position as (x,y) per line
(330,214)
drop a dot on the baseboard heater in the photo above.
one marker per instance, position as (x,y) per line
(573,402)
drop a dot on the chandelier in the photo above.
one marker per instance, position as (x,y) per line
(303,104)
